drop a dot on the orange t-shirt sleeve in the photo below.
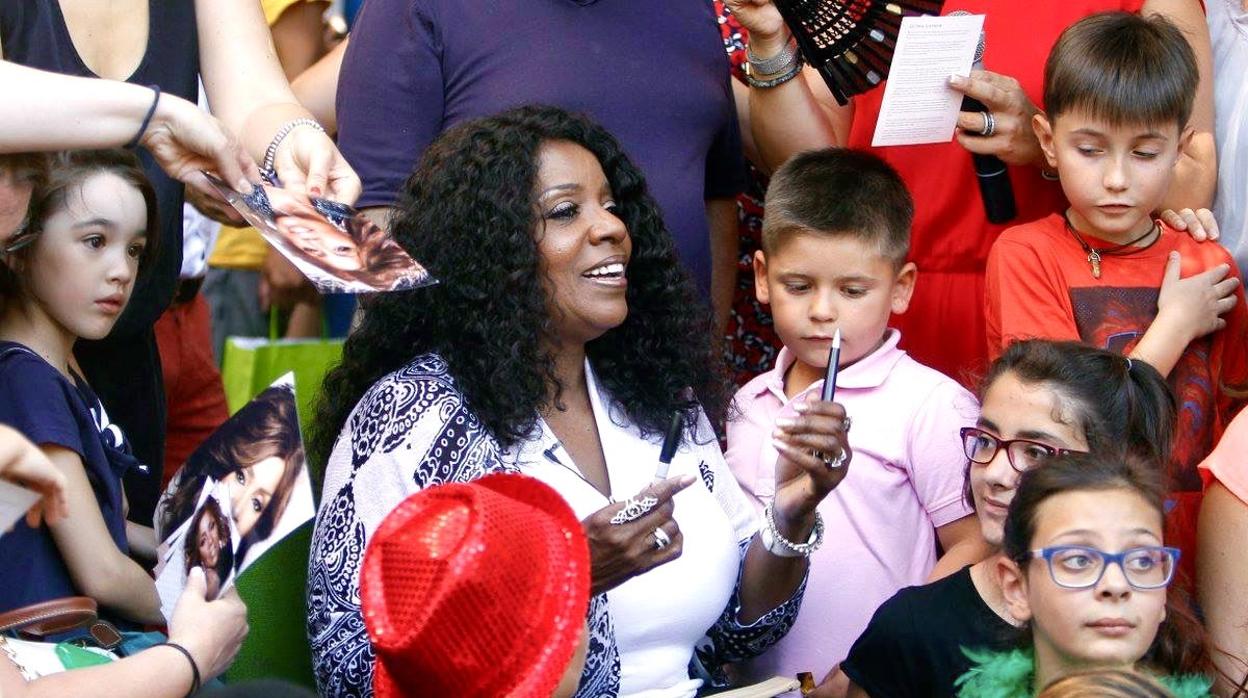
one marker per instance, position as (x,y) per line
(1228,464)
(1024,297)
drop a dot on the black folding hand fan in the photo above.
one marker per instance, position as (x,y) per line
(850,42)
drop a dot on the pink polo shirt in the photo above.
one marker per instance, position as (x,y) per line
(905,480)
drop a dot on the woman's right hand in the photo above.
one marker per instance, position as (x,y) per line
(619,552)
(212,631)
(1193,307)
(762,20)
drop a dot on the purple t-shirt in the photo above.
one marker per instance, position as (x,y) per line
(653,72)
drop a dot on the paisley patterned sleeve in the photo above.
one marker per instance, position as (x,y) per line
(411,430)
(730,640)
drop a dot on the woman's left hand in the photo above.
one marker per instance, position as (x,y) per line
(308,160)
(1013,140)
(803,478)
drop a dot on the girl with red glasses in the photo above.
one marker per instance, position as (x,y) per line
(1039,399)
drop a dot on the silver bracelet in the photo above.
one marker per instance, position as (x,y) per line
(271,153)
(780,546)
(754,79)
(773,65)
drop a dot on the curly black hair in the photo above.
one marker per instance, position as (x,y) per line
(469,213)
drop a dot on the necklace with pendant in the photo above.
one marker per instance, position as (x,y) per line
(1096,254)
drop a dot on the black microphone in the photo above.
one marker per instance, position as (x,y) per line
(994,179)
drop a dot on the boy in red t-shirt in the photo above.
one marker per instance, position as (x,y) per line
(1118,91)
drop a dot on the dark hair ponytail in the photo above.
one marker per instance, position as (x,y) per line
(1120,404)
(1181,646)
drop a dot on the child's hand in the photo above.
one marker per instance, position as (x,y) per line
(1193,307)
(23,464)
(808,445)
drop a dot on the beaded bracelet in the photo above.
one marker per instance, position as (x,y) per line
(775,64)
(754,79)
(777,544)
(194,667)
(271,153)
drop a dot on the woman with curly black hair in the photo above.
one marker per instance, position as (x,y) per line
(562,338)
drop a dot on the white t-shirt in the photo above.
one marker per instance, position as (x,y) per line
(1228,31)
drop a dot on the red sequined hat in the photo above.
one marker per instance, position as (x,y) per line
(476,589)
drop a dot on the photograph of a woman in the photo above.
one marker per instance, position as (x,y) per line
(207,545)
(257,456)
(337,248)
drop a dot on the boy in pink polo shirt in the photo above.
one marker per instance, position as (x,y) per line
(835,237)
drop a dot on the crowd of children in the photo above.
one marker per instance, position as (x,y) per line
(1047,535)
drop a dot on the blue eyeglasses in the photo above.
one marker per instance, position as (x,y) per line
(1080,567)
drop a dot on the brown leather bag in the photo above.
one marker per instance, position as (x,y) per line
(40,620)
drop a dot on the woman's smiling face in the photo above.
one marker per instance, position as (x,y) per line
(584,246)
(209,540)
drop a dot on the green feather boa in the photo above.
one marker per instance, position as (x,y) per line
(1011,675)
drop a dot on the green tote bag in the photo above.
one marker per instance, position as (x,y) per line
(251,364)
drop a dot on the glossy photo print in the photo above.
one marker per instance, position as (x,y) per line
(207,540)
(336,247)
(243,490)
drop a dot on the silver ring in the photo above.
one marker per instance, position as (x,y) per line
(830,462)
(848,422)
(990,124)
(661,539)
(634,509)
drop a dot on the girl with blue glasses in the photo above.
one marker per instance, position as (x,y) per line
(1085,568)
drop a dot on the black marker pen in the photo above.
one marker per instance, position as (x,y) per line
(670,442)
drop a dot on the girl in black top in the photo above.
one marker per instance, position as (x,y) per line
(1039,398)
(170,44)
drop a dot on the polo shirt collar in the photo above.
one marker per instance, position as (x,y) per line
(868,372)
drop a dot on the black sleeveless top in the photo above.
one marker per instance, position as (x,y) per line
(33,33)
(124,368)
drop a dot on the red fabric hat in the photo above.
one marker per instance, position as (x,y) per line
(476,589)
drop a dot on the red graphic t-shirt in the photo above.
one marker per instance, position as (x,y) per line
(1040,284)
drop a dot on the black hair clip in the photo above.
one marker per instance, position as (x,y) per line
(22,237)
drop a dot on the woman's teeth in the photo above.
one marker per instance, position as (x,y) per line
(606,270)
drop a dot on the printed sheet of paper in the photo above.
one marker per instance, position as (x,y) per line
(14,503)
(919,106)
(338,248)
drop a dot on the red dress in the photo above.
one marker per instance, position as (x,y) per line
(944,327)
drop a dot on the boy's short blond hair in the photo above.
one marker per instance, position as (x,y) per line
(1124,69)
(839,192)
